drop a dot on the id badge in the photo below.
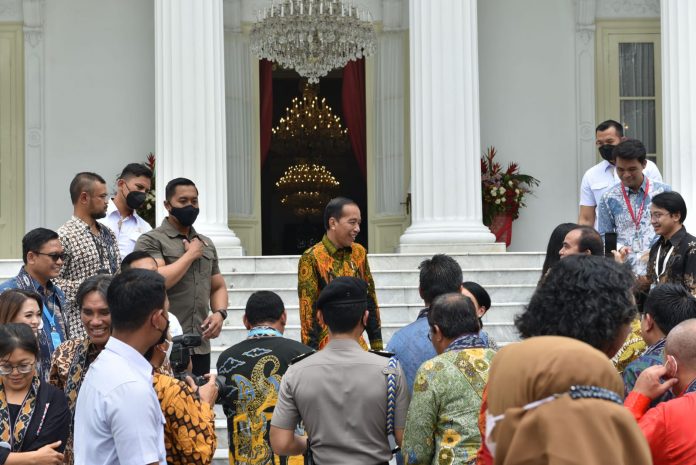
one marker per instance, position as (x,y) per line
(55,338)
(636,244)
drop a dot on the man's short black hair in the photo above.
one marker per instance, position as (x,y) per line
(673,202)
(132,297)
(610,123)
(83,182)
(669,304)
(554,245)
(584,297)
(590,240)
(170,190)
(35,239)
(263,306)
(454,314)
(630,149)
(439,275)
(99,283)
(134,257)
(135,170)
(334,209)
(343,318)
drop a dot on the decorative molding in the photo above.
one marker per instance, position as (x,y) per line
(621,9)
(249,8)
(584,84)
(34,113)
(10,10)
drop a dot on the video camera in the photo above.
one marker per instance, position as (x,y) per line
(180,358)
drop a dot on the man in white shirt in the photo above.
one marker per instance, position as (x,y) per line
(132,187)
(598,179)
(118,419)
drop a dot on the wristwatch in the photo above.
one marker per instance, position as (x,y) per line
(223,312)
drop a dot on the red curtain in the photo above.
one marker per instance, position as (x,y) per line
(266,94)
(354,110)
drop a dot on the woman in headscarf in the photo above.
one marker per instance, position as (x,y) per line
(34,417)
(72,359)
(557,401)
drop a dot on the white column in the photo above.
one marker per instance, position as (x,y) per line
(190,110)
(445,139)
(586,151)
(679,100)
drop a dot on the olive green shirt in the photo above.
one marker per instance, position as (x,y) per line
(189,299)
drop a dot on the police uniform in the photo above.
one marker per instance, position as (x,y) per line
(340,393)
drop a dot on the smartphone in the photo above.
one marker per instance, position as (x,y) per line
(671,366)
(609,243)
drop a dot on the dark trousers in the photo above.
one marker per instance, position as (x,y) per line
(200,364)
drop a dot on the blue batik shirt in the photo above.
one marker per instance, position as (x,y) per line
(653,355)
(614,216)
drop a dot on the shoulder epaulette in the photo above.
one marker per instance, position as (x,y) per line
(382,353)
(299,358)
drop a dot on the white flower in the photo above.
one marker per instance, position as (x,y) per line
(501,190)
(497,201)
(517,191)
(494,192)
(510,183)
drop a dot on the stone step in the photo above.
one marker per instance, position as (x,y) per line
(283,279)
(393,294)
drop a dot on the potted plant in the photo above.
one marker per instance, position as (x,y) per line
(147,210)
(502,193)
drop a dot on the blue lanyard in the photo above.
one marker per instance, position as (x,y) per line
(263,331)
(55,335)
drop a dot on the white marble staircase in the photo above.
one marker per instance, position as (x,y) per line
(510,279)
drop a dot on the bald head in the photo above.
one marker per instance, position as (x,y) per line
(681,343)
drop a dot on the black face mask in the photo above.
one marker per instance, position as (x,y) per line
(606,151)
(186,215)
(135,199)
(148,354)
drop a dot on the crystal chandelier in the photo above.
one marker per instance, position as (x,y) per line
(310,128)
(306,188)
(312,36)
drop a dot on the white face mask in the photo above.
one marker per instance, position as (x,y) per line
(170,346)
(490,424)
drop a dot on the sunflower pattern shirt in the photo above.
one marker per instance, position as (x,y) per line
(318,266)
(442,421)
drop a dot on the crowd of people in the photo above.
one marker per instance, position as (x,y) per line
(105,342)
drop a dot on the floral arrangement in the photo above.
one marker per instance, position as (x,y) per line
(147,211)
(502,192)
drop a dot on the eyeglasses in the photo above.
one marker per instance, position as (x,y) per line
(430,334)
(22,368)
(657,215)
(55,256)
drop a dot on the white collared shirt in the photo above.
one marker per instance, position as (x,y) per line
(127,230)
(118,419)
(598,179)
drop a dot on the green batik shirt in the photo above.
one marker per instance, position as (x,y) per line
(442,421)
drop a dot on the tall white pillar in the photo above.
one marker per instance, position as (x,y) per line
(678,20)
(445,138)
(190,110)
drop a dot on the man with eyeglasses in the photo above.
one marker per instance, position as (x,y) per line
(43,258)
(673,257)
(132,188)
(92,248)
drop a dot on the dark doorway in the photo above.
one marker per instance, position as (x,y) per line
(285,230)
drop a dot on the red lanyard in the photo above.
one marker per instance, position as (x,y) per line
(636,221)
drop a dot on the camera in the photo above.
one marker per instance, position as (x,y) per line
(182,348)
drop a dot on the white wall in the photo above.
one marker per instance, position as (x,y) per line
(527,99)
(100,104)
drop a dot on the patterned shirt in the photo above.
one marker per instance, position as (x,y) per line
(254,368)
(614,216)
(680,266)
(189,433)
(87,255)
(652,356)
(318,266)
(632,348)
(441,426)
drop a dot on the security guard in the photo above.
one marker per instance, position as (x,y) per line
(340,392)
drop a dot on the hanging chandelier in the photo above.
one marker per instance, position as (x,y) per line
(309,128)
(306,188)
(313,37)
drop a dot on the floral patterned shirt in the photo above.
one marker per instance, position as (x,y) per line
(317,267)
(442,421)
(88,254)
(680,254)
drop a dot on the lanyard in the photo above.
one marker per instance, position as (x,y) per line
(55,335)
(636,220)
(664,263)
(263,331)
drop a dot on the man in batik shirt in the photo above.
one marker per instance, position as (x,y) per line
(673,256)
(336,255)
(91,248)
(441,425)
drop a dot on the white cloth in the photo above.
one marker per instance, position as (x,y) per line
(118,419)
(127,230)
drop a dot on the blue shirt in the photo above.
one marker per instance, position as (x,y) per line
(614,216)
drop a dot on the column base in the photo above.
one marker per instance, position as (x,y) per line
(448,238)
(224,239)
